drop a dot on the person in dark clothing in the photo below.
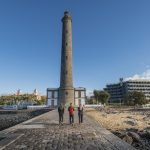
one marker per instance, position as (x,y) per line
(80,113)
(61,113)
(71,113)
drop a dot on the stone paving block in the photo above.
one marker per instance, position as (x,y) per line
(87,136)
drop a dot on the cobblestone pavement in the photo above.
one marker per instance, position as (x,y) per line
(44,133)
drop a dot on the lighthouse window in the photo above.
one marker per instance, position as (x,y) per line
(66,44)
(66,93)
(66,57)
(66,72)
(66,31)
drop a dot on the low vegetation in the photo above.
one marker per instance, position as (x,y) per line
(15,99)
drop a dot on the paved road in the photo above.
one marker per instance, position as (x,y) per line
(44,133)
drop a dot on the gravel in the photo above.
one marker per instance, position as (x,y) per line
(11,118)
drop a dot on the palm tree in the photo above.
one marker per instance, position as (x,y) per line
(96,95)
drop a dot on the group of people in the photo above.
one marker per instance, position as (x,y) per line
(71,110)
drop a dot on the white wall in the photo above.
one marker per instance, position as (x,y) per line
(49,102)
(76,94)
(56,94)
(55,102)
(83,101)
(82,94)
(78,100)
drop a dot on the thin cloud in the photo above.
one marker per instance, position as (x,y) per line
(144,76)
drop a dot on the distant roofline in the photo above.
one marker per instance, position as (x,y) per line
(130,80)
(142,80)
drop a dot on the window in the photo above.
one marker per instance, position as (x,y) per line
(66,93)
(66,57)
(66,44)
(66,72)
(52,94)
(79,94)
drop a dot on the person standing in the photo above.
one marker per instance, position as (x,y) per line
(61,113)
(80,113)
(71,113)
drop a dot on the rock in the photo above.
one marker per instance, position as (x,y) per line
(120,134)
(128,139)
(130,117)
(148,133)
(131,122)
(135,136)
(142,134)
(137,145)
(146,118)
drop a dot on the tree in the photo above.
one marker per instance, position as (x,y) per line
(135,98)
(96,95)
(126,99)
(91,100)
(103,97)
(43,100)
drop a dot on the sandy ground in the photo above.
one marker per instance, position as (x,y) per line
(115,119)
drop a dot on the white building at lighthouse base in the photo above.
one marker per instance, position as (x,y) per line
(53,96)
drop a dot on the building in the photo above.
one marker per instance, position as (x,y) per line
(35,93)
(66,93)
(118,90)
(53,96)
(18,92)
(80,96)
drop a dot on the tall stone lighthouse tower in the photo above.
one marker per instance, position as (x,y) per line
(66,93)
(66,90)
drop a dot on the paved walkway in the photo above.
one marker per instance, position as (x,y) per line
(44,133)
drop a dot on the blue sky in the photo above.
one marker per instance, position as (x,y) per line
(111,39)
